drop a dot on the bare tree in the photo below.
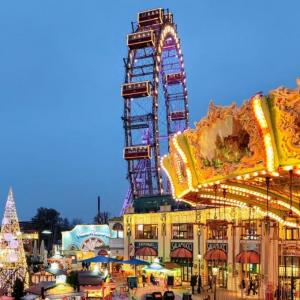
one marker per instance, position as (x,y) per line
(102,217)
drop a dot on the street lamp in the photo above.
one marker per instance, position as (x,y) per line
(199,276)
(109,263)
(215,273)
(47,234)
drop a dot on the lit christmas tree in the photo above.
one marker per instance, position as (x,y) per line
(12,256)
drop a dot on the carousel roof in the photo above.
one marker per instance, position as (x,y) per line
(242,156)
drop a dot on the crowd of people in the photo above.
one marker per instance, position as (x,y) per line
(249,285)
(196,280)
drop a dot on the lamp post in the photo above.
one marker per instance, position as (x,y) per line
(109,263)
(215,273)
(199,276)
(129,235)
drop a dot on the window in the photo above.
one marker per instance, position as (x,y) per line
(250,230)
(146,231)
(291,233)
(182,231)
(118,229)
(217,230)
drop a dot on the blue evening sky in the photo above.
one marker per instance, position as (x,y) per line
(61,68)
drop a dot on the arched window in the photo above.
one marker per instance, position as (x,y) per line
(118,227)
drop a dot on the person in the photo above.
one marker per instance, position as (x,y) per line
(278,292)
(210,283)
(256,281)
(152,279)
(200,288)
(144,279)
(242,286)
(193,282)
(251,287)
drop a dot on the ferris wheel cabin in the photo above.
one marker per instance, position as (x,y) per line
(136,89)
(141,40)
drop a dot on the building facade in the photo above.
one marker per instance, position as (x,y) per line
(234,241)
(84,241)
(239,170)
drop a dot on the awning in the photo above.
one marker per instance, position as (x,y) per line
(291,250)
(171,265)
(215,254)
(181,253)
(102,252)
(145,251)
(248,257)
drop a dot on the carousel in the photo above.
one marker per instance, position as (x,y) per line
(240,169)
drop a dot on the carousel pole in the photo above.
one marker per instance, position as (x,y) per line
(291,214)
(224,202)
(215,192)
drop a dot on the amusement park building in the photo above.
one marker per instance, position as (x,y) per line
(88,240)
(240,171)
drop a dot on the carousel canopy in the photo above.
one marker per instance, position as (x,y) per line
(251,152)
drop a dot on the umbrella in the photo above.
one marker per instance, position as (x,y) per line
(155,267)
(134,261)
(29,297)
(101,259)
(55,271)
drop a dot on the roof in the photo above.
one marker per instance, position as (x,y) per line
(89,278)
(153,203)
(55,271)
(36,289)
(171,265)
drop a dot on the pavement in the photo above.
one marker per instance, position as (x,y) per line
(139,294)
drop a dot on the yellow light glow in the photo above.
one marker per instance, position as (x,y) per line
(260,117)
(259,112)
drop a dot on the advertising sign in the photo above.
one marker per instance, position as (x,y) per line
(81,234)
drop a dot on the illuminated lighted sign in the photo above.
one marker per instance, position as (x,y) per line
(90,233)
(80,234)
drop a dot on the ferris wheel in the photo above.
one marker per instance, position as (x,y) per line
(155,100)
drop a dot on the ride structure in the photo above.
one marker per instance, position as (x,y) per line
(155,100)
(247,156)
